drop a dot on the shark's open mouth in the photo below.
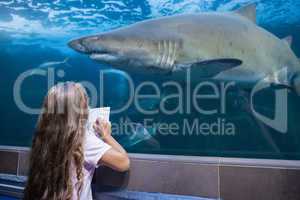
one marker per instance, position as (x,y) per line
(99,52)
(104,56)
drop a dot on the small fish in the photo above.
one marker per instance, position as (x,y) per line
(140,134)
(53,64)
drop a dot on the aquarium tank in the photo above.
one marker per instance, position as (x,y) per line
(152,111)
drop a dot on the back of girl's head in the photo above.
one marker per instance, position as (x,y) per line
(58,144)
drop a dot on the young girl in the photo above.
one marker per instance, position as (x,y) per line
(64,154)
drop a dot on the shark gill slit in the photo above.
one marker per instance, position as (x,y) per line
(166,53)
(171,51)
(161,51)
(174,55)
(168,65)
(158,59)
(162,62)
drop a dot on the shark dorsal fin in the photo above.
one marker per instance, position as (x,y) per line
(288,40)
(248,11)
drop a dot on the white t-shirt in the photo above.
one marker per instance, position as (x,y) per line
(94,149)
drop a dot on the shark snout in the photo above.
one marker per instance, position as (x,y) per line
(90,45)
(77,45)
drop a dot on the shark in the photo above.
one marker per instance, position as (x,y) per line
(210,45)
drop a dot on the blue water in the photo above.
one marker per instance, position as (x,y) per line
(7,198)
(35,32)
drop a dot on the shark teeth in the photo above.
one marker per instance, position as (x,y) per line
(104,56)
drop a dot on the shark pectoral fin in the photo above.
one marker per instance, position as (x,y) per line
(248,11)
(211,68)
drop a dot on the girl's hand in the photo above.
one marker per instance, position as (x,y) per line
(102,127)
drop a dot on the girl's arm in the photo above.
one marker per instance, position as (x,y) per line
(116,157)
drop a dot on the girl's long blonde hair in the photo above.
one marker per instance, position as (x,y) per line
(57,146)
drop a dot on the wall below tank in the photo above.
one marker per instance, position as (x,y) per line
(211,177)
